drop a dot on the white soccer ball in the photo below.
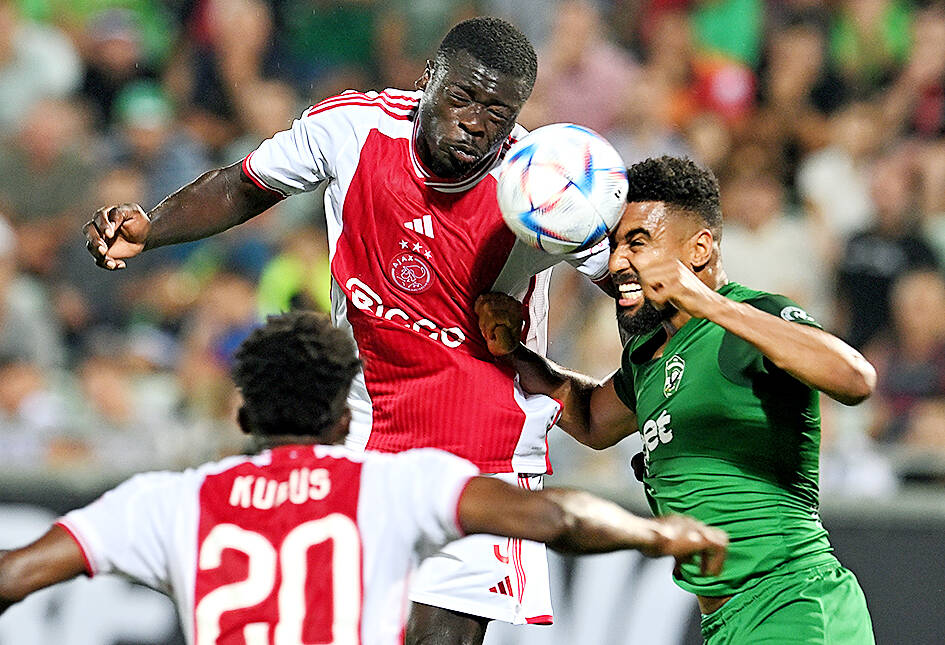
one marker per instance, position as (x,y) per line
(562,188)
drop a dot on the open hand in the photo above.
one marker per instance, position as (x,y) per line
(500,321)
(116,233)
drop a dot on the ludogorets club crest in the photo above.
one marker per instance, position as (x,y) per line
(674,372)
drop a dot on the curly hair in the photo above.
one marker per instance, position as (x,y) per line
(294,373)
(497,44)
(680,183)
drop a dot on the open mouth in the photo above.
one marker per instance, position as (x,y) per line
(629,294)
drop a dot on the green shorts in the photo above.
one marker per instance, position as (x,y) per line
(822,605)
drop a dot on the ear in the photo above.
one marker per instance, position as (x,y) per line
(421,83)
(701,248)
(338,432)
(242,419)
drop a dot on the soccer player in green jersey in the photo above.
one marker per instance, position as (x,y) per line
(722,382)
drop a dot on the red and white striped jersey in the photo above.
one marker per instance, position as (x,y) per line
(301,544)
(410,253)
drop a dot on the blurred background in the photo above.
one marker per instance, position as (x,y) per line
(824,121)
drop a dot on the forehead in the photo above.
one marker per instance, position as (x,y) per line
(468,72)
(649,217)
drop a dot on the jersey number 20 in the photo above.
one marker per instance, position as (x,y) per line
(292,559)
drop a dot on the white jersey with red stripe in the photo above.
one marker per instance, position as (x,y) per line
(301,544)
(410,253)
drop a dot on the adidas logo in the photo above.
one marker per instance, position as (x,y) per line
(422,225)
(504,587)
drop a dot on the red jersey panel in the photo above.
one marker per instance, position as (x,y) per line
(410,253)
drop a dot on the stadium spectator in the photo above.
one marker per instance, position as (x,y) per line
(583,78)
(33,419)
(29,328)
(833,182)
(36,62)
(147,139)
(874,257)
(764,240)
(869,41)
(114,59)
(910,361)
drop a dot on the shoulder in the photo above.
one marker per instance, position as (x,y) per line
(772,303)
(425,459)
(389,104)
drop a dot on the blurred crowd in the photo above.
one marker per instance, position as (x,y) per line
(824,121)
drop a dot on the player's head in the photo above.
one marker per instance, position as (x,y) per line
(672,209)
(294,373)
(473,90)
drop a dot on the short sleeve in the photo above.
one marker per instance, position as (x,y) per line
(422,488)
(739,360)
(128,529)
(298,159)
(783,307)
(623,386)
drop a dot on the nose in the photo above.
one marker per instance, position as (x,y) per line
(473,121)
(619,260)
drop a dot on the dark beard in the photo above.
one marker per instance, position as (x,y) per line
(646,319)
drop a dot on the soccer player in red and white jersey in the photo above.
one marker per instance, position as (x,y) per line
(307,542)
(415,235)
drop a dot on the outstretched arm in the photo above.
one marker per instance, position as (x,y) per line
(573,521)
(591,411)
(53,558)
(214,202)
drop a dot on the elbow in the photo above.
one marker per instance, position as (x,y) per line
(859,385)
(12,572)
(562,531)
(557,525)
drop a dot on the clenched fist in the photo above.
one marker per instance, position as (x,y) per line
(500,321)
(116,233)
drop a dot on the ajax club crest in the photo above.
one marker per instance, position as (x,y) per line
(410,272)
(674,372)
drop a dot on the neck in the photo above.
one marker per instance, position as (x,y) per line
(277,441)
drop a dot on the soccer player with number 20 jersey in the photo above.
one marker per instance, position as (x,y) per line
(306,542)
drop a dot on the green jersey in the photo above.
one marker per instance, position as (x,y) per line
(731,440)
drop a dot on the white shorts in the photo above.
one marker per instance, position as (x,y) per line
(493,577)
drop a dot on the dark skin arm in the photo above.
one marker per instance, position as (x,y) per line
(53,558)
(592,412)
(574,521)
(215,201)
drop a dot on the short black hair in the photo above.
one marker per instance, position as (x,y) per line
(680,183)
(294,373)
(498,44)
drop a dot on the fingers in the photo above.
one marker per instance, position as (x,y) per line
(500,321)
(106,228)
(690,538)
(714,556)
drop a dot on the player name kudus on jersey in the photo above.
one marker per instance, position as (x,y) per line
(264,493)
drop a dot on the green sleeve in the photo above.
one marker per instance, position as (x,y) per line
(739,360)
(784,307)
(623,381)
